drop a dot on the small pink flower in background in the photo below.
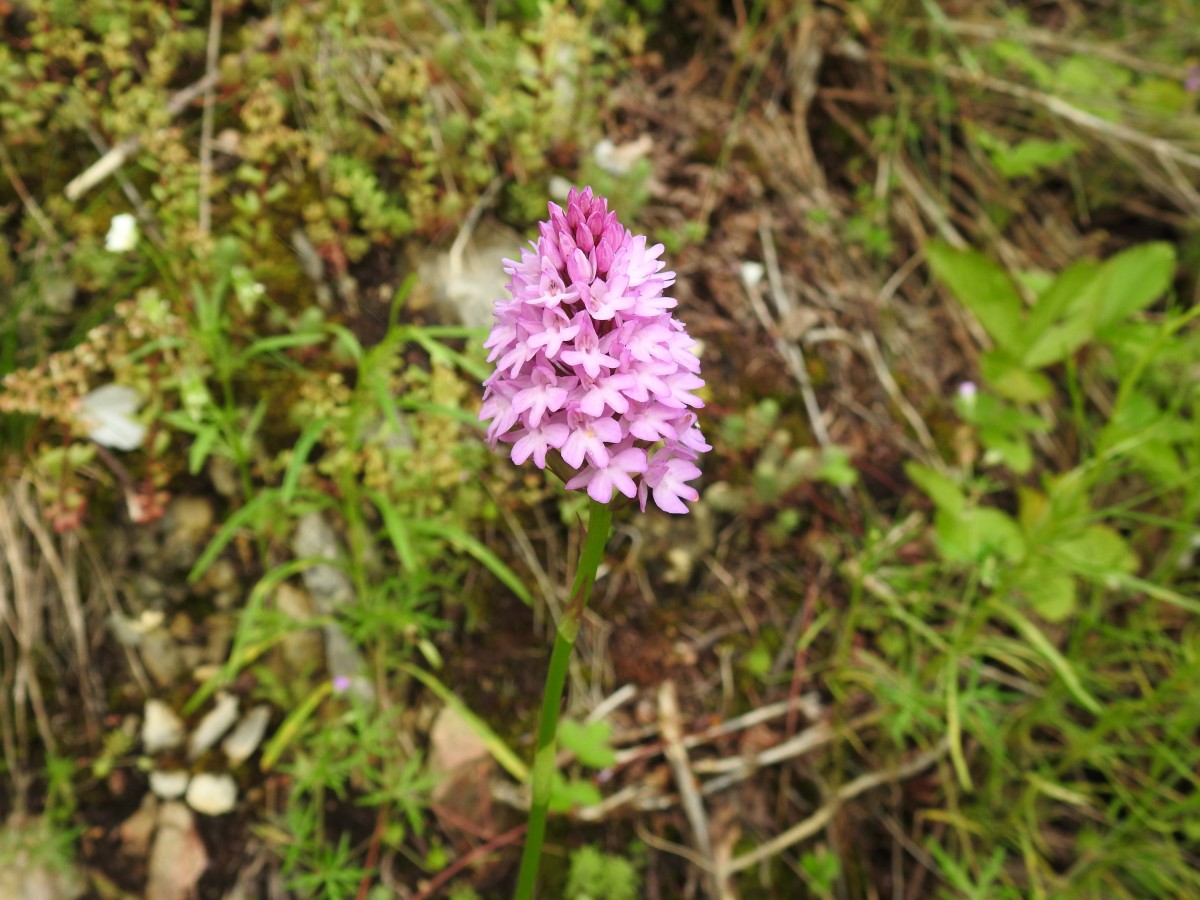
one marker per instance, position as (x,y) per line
(1191,80)
(591,364)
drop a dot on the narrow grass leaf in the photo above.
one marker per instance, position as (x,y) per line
(500,751)
(1057,661)
(242,652)
(397,531)
(274,343)
(292,724)
(449,356)
(304,444)
(459,539)
(246,517)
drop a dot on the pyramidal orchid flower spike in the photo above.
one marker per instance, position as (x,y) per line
(591,364)
(592,371)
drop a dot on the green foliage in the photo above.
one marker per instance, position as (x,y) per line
(595,875)
(589,743)
(1040,609)
(1085,302)
(821,870)
(1027,157)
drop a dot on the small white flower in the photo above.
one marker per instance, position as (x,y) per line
(122,234)
(107,414)
(752,273)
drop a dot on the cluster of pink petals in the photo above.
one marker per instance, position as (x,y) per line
(590,364)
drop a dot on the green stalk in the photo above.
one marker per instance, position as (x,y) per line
(599,526)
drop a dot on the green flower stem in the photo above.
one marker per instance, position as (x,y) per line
(599,526)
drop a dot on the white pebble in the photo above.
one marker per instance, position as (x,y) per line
(169,785)
(161,728)
(212,795)
(213,725)
(244,739)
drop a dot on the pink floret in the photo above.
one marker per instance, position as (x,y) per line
(591,364)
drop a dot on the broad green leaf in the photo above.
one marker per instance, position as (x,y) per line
(1164,96)
(977,534)
(1132,280)
(1096,553)
(945,494)
(1057,342)
(1051,593)
(982,287)
(1028,157)
(1032,509)
(1064,317)
(836,469)
(1067,293)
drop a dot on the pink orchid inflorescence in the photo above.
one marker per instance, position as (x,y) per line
(590,363)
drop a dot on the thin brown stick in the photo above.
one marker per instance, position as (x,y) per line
(793,356)
(825,814)
(364,884)
(689,797)
(31,205)
(212,64)
(62,567)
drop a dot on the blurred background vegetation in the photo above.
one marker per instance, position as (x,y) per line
(273,619)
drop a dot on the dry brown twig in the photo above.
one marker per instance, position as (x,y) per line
(1041,38)
(63,567)
(212,62)
(27,199)
(822,817)
(793,356)
(689,797)
(23,611)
